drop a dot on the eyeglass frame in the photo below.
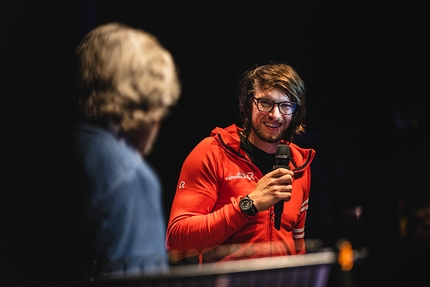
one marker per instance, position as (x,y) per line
(293,107)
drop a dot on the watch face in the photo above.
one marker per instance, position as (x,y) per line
(245,204)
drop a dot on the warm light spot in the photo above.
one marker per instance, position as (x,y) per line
(346,255)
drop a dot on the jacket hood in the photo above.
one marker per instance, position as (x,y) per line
(229,138)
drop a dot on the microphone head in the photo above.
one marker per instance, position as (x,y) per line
(282,158)
(283,151)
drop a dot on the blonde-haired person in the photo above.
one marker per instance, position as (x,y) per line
(127,83)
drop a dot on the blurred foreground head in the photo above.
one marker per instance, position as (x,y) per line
(127,80)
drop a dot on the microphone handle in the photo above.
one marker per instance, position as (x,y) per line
(279,206)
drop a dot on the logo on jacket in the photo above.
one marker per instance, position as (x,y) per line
(246,175)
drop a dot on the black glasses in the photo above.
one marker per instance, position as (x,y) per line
(265,105)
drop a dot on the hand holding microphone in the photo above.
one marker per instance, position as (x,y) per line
(275,187)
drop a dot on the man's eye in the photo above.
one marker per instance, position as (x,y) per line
(266,103)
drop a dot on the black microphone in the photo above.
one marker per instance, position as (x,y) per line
(282,160)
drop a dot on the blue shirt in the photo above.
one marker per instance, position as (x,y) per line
(124,214)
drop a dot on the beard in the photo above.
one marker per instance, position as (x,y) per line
(257,131)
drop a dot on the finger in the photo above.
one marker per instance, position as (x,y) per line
(280,172)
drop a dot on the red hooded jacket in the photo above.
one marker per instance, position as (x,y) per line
(205,218)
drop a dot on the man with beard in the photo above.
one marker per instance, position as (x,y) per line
(223,207)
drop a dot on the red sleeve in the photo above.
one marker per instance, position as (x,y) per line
(192,223)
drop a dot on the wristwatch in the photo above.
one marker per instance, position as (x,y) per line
(247,206)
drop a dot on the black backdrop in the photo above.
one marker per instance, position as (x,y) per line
(364,66)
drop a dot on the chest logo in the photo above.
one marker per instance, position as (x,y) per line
(241,175)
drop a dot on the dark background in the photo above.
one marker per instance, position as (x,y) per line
(365,67)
